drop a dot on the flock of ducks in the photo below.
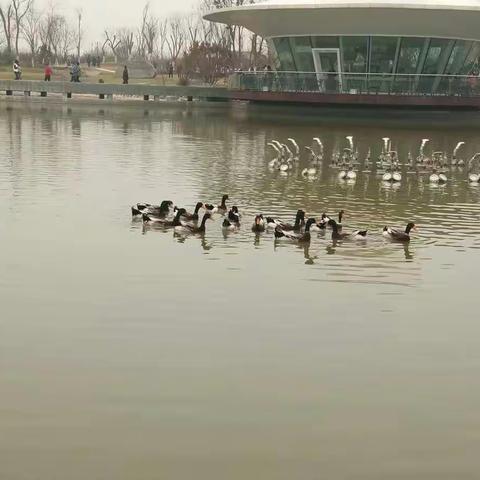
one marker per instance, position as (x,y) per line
(436,165)
(166,215)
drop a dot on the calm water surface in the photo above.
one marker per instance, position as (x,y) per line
(133,354)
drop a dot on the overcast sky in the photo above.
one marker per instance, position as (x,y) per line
(99,14)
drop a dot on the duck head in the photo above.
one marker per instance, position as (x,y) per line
(411,226)
(198,206)
(259,220)
(300,217)
(310,222)
(166,205)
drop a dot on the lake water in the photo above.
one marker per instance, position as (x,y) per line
(130,353)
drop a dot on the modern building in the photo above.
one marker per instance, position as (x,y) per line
(365,47)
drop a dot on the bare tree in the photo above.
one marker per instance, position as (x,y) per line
(20,9)
(113,42)
(7,16)
(193,28)
(79,33)
(52,32)
(162,38)
(176,37)
(126,39)
(149,31)
(31,31)
(66,38)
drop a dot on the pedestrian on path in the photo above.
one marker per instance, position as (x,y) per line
(48,72)
(17,70)
(125,75)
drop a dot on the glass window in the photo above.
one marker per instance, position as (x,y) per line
(436,56)
(325,42)
(302,52)
(458,56)
(470,67)
(285,57)
(410,51)
(355,54)
(383,53)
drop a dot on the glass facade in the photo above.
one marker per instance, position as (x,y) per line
(381,54)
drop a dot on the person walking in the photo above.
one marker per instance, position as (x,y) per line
(125,75)
(75,72)
(170,70)
(17,69)
(48,72)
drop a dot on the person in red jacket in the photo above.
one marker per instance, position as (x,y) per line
(48,72)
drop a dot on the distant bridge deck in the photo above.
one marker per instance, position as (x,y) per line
(241,92)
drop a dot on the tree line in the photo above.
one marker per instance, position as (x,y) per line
(186,41)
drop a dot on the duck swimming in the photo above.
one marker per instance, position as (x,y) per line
(336,235)
(148,218)
(298,237)
(296,227)
(258,224)
(191,216)
(187,228)
(234,215)
(220,209)
(398,235)
(161,210)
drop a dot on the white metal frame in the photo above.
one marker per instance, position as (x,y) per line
(318,63)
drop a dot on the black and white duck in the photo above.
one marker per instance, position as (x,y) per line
(161,210)
(258,224)
(148,218)
(220,209)
(227,225)
(187,228)
(326,218)
(337,235)
(234,216)
(296,227)
(191,217)
(399,235)
(297,237)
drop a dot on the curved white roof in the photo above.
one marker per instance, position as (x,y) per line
(419,18)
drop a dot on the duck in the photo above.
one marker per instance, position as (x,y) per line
(473,177)
(398,235)
(322,225)
(161,210)
(337,235)
(304,237)
(228,225)
(258,224)
(296,227)
(234,215)
(148,218)
(188,228)
(220,209)
(192,216)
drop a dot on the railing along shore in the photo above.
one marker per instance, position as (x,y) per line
(356,83)
(109,90)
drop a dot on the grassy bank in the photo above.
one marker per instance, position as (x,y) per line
(89,75)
